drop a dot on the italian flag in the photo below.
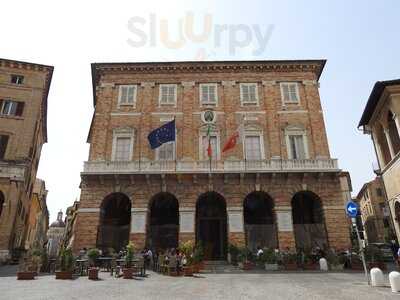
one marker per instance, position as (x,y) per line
(209,149)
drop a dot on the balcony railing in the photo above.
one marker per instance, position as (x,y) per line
(227,166)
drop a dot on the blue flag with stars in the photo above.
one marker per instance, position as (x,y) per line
(161,135)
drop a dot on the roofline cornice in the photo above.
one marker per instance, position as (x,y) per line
(98,69)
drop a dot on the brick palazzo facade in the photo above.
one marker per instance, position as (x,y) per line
(24,88)
(278,187)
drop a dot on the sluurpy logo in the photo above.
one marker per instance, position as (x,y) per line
(177,34)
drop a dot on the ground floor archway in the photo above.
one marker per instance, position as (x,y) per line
(259,221)
(163,225)
(114,227)
(308,221)
(211,225)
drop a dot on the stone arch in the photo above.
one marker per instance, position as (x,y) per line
(2,199)
(115,218)
(163,222)
(211,225)
(259,221)
(393,132)
(308,220)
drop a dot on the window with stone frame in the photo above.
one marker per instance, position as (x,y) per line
(17,79)
(253,147)
(214,147)
(208,94)
(290,93)
(11,108)
(168,94)
(248,93)
(123,149)
(166,152)
(127,95)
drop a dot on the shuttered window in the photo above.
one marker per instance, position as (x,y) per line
(208,94)
(167,94)
(3,145)
(123,149)
(11,108)
(248,93)
(253,147)
(166,151)
(290,92)
(297,148)
(127,95)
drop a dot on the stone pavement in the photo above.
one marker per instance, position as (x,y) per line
(311,285)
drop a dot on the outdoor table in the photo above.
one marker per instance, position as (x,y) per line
(81,265)
(105,262)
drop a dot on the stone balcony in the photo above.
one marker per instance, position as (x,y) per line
(227,166)
(12,171)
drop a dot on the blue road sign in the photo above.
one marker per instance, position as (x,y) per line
(351,209)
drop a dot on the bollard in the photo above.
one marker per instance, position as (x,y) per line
(377,277)
(394,279)
(323,264)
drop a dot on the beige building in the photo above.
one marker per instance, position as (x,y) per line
(381,120)
(277,187)
(374,210)
(38,220)
(24,88)
(70,219)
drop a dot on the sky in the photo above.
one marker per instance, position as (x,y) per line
(360,40)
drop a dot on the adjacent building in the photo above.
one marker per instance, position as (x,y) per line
(24,88)
(70,219)
(278,186)
(38,220)
(374,210)
(381,120)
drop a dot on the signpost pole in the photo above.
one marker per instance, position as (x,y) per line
(360,245)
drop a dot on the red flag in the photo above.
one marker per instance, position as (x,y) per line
(231,143)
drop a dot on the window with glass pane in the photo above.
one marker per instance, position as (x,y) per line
(290,92)
(208,93)
(253,147)
(127,94)
(249,92)
(123,148)
(167,94)
(166,151)
(214,148)
(9,108)
(297,148)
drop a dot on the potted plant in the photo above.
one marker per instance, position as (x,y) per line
(310,261)
(336,261)
(66,264)
(26,270)
(93,272)
(244,259)
(289,261)
(198,256)
(374,257)
(269,258)
(188,250)
(233,254)
(127,271)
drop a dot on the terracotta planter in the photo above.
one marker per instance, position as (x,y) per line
(188,271)
(93,274)
(25,275)
(247,266)
(380,265)
(201,265)
(64,275)
(311,266)
(290,266)
(195,268)
(127,273)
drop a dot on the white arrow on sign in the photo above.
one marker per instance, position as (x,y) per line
(352,209)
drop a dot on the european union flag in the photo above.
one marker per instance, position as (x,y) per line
(161,135)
